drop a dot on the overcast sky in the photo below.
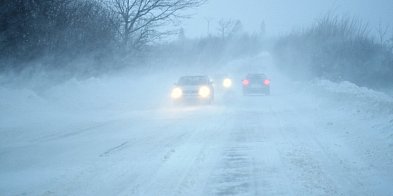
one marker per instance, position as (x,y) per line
(282,16)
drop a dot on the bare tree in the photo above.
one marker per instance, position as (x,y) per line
(141,19)
(390,43)
(382,32)
(228,27)
(263,29)
(181,35)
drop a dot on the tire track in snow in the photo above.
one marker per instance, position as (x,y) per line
(114,149)
(187,163)
(237,172)
(119,169)
(63,135)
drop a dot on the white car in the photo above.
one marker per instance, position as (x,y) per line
(193,89)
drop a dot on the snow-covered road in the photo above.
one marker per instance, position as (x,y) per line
(118,136)
(290,143)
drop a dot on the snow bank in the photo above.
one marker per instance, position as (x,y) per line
(346,87)
(362,98)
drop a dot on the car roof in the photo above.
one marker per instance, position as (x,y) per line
(194,79)
(197,76)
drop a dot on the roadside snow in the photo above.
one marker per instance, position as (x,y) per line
(361,98)
(349,88)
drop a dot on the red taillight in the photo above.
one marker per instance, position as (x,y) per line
(246,82)
(266,82)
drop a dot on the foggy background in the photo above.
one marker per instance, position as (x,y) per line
(284,16)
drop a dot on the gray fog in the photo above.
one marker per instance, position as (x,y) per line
(282,16)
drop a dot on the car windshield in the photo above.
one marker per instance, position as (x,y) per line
(193,80)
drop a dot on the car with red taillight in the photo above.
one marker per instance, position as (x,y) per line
(258,84)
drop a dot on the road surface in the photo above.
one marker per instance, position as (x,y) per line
(293,142)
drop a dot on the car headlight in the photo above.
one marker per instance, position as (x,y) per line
(227,83)
(204,91)
(176,93)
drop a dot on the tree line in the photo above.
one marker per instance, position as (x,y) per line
(337,48)
(57,31)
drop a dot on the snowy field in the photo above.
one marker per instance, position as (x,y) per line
(120,135)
